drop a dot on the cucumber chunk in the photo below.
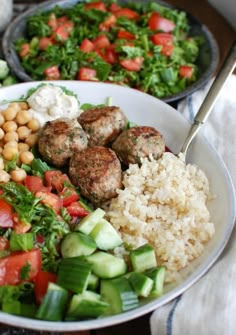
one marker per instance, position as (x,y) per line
(105,265)
(77,244)
(4,69)
(141,284)
(143,258)
(87,224)
(105,236)
(119,294)
(158,276)
(93,282)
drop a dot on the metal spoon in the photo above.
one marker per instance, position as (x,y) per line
(211,97)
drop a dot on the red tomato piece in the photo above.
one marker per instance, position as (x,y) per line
(157,22)
(99,5)
(110,56)
(11,266)
(68,195)
(101,42)
(24,50)
(86,45)
(4,243)
(50,199)
(33,183)
(6,215)
(52,72)
(106,24)
(61,20)
(63,31)
(127,12)
(114,7)
(166,41)
(41,281)
(52,21)
(134,64)
(44,42)
(86,73)
(20,227)
(125,35)
(56,179)
(76,210)
(186,71)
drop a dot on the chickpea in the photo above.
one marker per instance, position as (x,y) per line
(11,136)
(23,105)
(23,117)
(9,126)
(15,105)
(1,163)
(11,144)
(4,176)
(26,157)
(10,113)
(18,175)
(23,132)
(32,139)
(9,153)
(2,119)
(23,146)
(1,134)
(33,125)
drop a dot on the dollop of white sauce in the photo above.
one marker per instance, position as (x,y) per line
(50,102)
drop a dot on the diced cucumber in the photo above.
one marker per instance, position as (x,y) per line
(73,274)
(158,276)
(141,284)
(143,258)
(54,303)
(86,305)
(119,294)
(93,282)
(105,265)
(4,69)
(105,236)
(77,244)
(87,224)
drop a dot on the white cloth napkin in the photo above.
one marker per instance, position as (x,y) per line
(209,306)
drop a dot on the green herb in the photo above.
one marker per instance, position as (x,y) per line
(24,272)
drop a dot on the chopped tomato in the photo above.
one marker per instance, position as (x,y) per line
(125,35)
(99,5)
(52,22)
(110,56)
(114,7)
(61,20)
(166,41)
(86,45)
(50,199)
(86,73)
(56,179)
(106,24)
(40,238)
(101,42)
(186,71)
(41,281)
(44,42)
(76,210)
(24,50)
(52,73)
(13,267)
(157,22)
(63,31)
(134,64)
(4,243)
(33,183)
(6,215)
(68,195)
(20,227)
(127,12)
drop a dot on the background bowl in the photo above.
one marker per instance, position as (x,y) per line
(207,61)
(144,109)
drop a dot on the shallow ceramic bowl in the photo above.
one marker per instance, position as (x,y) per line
(144,109)
(207,61)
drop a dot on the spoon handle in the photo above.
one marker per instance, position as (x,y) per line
(212,95)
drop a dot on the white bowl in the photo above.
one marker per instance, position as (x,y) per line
(147,110)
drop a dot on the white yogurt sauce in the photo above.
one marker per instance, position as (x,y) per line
(50,102)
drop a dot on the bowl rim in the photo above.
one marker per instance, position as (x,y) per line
(13,61)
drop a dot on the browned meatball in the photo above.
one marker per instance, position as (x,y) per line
(59,138)
(102,124)
(138,142)
(97,172)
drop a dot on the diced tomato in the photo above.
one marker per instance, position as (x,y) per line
(56,179)
(52,22)
(52,72)
(125,35)
(6,215)
(76,210)
(4,243)
(20,227)
(101,42)
(114,7)
(110,56)
(68,195)
(24,50)
(186,71)
(106,24)
(99,5)
(166,41)
(40,238)
(33,183)
(157,22)
(61,20)
(86,45)
(134,64)
(12,266)
(63,31)
(41,281)
(86,73)
(127,12)
(44,42)
(50,199)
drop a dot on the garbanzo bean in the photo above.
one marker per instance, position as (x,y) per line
(23,117)
(2,119)
(15,105)
(2,134)
(26,157)
(33,125)
(4,176)
(23,105)
(22,146)
(18,175)
(11,136)
(1,163)
(9,126)
(32,139)
(11,144)
(9,153)
(23,132)
(10,113)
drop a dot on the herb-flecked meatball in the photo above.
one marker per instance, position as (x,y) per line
(59,139)
(97,173)
(138,142)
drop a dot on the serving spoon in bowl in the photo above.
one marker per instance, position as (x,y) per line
(211,97)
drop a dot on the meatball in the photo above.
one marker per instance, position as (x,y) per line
(138,142)
(59,139)
(97,172)
(102,124)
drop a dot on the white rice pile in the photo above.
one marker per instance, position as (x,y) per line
(164,203)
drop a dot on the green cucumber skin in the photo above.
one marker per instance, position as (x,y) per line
(141,284)
(143,258)
(158,276)
(77,244)
(87,224)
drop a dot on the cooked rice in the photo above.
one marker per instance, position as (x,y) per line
(164,203)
